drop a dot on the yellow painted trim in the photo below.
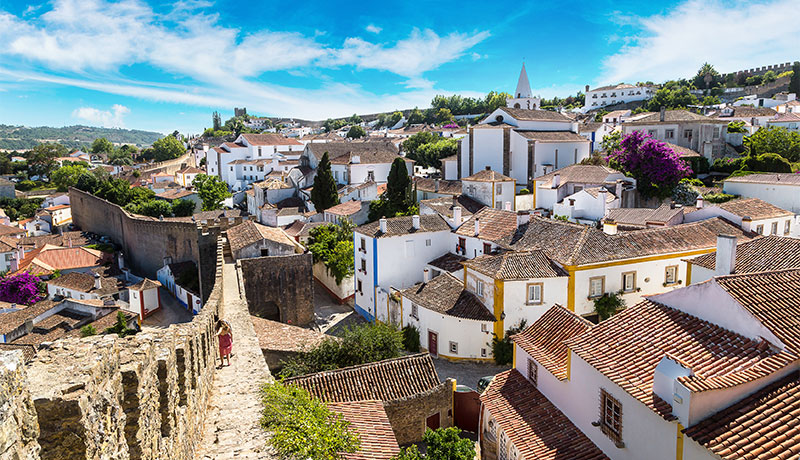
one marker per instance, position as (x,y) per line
(679,443)
(640,259)
(569,362)
(533,186)
(571,288)
(514,356)
(465,276)
(498,308)
(688,273)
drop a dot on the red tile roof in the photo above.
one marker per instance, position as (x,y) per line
(270,139)
(494,224)
(445,294)
(348,208)
(275,336)
(45,260)
(487,175)
(369,421)
(403,225)
(532,423)
(516,265)
(754,208)
(757,255)
(544,339)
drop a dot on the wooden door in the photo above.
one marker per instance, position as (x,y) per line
(432,422)
(433,343)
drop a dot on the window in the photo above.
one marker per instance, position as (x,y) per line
(534,293)
(669,134)
(787,227)
(484,327)
(264,252)
(499,189)
(687,133)
(483,352)
(454,348)
(479,287)
(428,242)
(363,244)
(462,246)
(597,286)
(363,265)
(231,168)
(533,375)
(716,132)
(652,132)
(487,248)
(414,311)
(610,416)
(259,151)
(358,288)
(774,229)
(629,281)
(760,229)
(671,274)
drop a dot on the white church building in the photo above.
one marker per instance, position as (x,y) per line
(521,140)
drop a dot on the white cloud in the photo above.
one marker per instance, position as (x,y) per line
(105,118)
(729,35)
(374,29)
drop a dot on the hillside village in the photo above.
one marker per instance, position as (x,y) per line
(419,282)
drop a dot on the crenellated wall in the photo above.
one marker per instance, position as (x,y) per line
(105,397)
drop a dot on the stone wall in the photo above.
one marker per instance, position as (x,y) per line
(103,397)
(408,416)
(279,288)
(147,241)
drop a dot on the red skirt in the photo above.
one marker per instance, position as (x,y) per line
(225,344)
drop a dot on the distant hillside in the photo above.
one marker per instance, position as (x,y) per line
(24,138)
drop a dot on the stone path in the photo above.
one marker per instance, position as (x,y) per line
(232,428)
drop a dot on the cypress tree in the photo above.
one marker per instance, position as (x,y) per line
(398,187)
(324,194)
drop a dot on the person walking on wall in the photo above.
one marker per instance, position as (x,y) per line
(225,337)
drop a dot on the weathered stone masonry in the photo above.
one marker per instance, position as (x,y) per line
(279,288)
(102,397)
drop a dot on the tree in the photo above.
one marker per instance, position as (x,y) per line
(416,117)
(216,121)
(710,100)
(766,162)
(22,288)
(398,186)
(444,116)
(394,118)
(608,304)
(656,168)
(611,142)
(354,119)
(773,139)
(183,208)
(211,190)
(121,326)
(442,444)
(88,330)
(332,245)
(671,96)
(411,144)
(411,338)
(794,80)
(431,154)
(153,208)
(356,132)
(706,77)
(43,159)
(324,193)
(67,176)
(301,426)
(503,349)
(121,157)
(102,145)
(167,148)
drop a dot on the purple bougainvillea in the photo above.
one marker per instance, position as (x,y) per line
(450,126)
(656,167)
(22,288)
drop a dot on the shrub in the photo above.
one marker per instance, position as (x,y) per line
(302,426)
(503,349)
(121,326)
(22,288)
(718,197)
(656,167)
(726,165)
(524,191)
(685,194)
(699,165)
(441,444)
(608,304)
(766,162)
(25,185)
(411,338)
(88,330)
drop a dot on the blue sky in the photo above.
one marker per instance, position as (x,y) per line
(165,66)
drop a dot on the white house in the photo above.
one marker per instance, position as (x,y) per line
(790,121)
(144,298)
(355,211)
(82,286)
(751,214)
(249,239)
(186,176)
(754,117)
(354,162)
(705,135)
(553,187)
(586,206)
(182,281)
(250,151)
(491,189)
(781,190)
(59,215)
(616,94)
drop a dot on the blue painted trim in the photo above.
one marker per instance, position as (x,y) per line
(374,277)
(364,313)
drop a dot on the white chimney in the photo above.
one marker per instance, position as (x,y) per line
(700,203)
(618,189)
(507,206)
(120,260)
(556,180)
(477,226)
(382,224)
(747,224)
(726,255)
(523,218)
(603,195)
(426,275)
(610,227)
(456,215)
(436,185)
(355,159)
(97,283)
(415,221)
(126,273)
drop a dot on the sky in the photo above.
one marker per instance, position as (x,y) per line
(163,66)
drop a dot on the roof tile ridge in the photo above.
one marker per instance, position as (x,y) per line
(578,246)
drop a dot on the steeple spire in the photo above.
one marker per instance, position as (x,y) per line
(523,86)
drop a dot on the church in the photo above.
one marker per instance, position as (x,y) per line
(521,140)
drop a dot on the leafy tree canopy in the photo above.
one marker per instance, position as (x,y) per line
(324,192)
(167,148)
(102,145)
(333,246)
(774,139)
(356,132)
(42,159)
(211,190)
(67,176)
(441,444)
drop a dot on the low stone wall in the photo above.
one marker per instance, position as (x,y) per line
(279,288)
(408,416)
(103,397)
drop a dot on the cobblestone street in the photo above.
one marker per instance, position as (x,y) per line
(465,372)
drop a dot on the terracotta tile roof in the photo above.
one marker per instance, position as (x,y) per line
(368,157)
(763,426)
(494,224)
(302,229)
(275,336)
(627,347)
(785,117)
(487,175)
(348,208)
(369,421)
(551,136)
(618,86)
(558,239)
(640,217)
(673,116)
(12,320)
(760,254)
(396,226)
(9,230)
(444,205)
(28,351)
(270,139)
(515,265)
(771,179)
(386,380)
(145,284)
(532,423)
(683,152)
(49,258)
(583,174)
(595,191)
(175,194)
(446,187)
(371,151)
(744,111)
(589,127)
(445,294)
(84,282)
(544,339)
(449,262)
(249,232)
(754,208)
(233,145)
(57,207)
(190,170)
(534,115)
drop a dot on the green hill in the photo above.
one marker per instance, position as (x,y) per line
(24,138)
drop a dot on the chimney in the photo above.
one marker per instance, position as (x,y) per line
(556,180)
(126,273)
(700,202)
(477,226)
(603,195)
(415,221)
(457,215)
(120,260)
(618,190)
(426,275)
(610,227)
(97,284)
(488,168)
(523,217)
(507,206)
(725,262)
(436,185)
(747,224)
(587,88)
(663,114)
(69,242)
(382,224)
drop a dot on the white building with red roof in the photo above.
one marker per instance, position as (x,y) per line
(251,157)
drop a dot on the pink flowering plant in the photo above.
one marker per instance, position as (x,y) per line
(450,125)
(22,288)
(656,167)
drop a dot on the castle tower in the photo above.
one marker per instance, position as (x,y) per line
(522,97)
